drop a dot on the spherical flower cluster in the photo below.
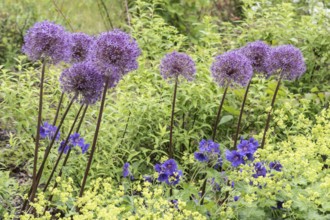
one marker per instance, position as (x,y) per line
(175,64)
(168,172)
(245,149)
(258,53)
(208,151)
(288,60)
(82,81)
(115,53)
(47,40)
(81,44)
(231,68)
(48,131)
(127,172)
(74,140)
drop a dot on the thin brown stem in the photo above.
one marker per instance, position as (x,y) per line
(270,112)
(64,17)
(58,108)
(67,155)
(62,151)
(127,14)
(170,150)
(95,138)
(34,186)
(241,113)
(218,115)
(36,149)
(203,191)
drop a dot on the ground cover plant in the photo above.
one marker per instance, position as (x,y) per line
(145,122)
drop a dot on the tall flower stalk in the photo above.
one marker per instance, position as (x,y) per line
(258,53)
(44,41)
(115,54)
(172,66)
(288,62)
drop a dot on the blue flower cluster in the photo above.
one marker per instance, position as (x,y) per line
(48,131)
(208,151)
(168,172)
(260,169)
(245,150)
(127,172)
(74,140)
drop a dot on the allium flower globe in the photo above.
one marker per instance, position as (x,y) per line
(231,68)
(288,60)
(175,64)
(115,53)
(84,81)
(47,40)
(81,44)
(258,53)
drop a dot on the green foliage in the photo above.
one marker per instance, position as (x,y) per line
(8,191)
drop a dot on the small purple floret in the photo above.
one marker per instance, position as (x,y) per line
(234,157)
(260,170)
(48,131)
(276,166)
(231,68)
(177,64)
(168,172)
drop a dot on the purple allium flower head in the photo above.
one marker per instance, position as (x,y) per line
(234,157)
(47,40)
(48,131)
(260,170)
(276,166)
(115,53)
(81,44)
(175,64)
(258,53)
(231,68)
(288,60)
(84,81)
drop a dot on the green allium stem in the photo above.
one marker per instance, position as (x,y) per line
(218,115)
(241,113)
(170,150)
(58,108)
(203,190)
(270,112)
(95,138)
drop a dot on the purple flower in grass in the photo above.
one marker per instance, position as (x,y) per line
(260,170)
(63,148)
(148,178)
(175,64)
(201,157)
(47,40)
(168,172)
(288,60)
(236,198)
(115,53)
(81,44)
(208,150)
(234,157)
(231,68)
(48,131)
(258,53)
(82,81)
(276,166)
(126,170)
